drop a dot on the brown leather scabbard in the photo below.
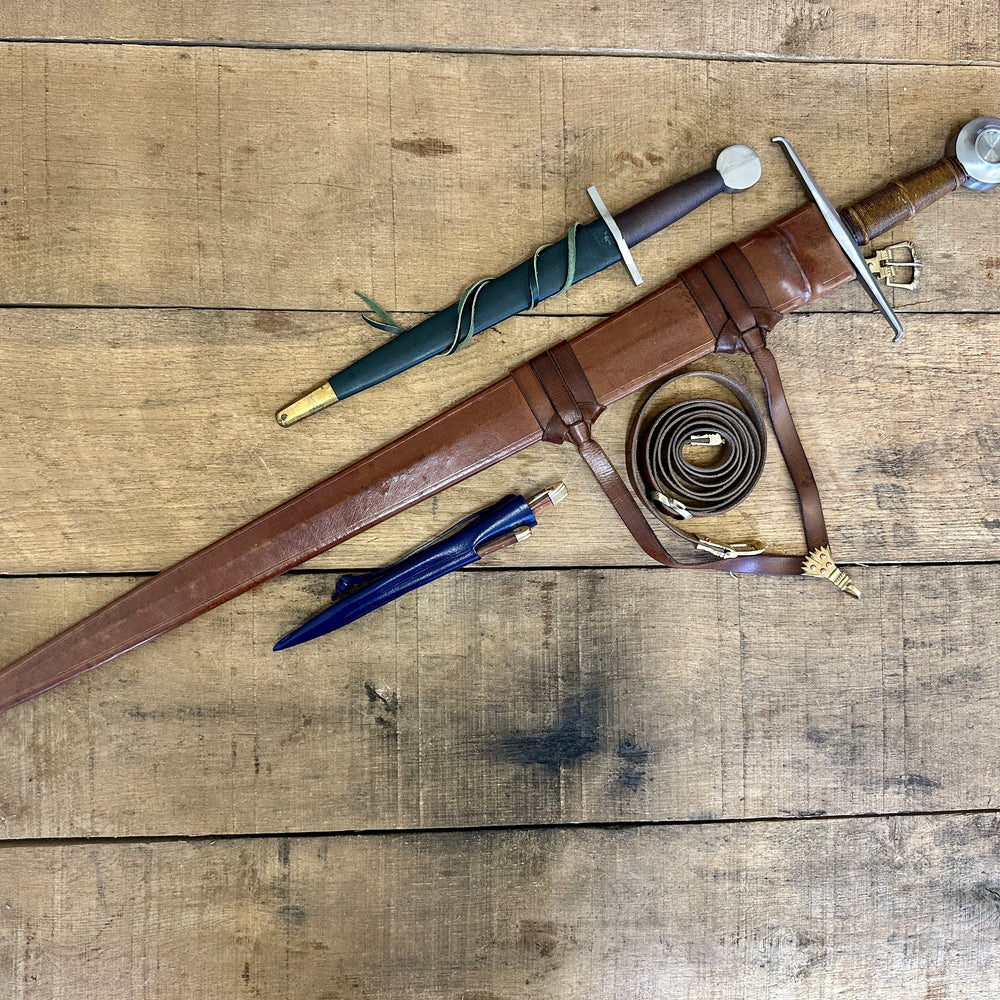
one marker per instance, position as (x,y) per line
(794,261)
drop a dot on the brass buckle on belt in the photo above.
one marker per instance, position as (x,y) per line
(885,262)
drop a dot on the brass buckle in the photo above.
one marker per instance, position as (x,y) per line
(885,262)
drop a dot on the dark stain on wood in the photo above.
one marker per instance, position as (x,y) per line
(539,937)
(575,736)
(989,895)
(384,706)
(988,438)
(919,781)
(635,758)
(292,916)
(426,146)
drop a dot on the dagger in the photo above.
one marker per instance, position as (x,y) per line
(507,521)
(551,271)
(651,338)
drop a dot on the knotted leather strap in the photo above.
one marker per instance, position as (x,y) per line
(731,298)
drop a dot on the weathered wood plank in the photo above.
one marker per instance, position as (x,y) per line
(515,698)
(951,32)
(117,417)
(895,908)
(134,175)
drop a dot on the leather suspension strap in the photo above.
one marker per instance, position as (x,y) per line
(734,305)
(557,370)
(677,488)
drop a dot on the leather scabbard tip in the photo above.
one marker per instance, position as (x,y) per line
(318,398)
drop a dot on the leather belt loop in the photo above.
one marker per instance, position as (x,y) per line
(735,303)
(764,314)
(700,289)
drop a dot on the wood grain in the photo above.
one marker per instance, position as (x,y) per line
(114,414)
(134,175)
(515,698)
(853,30)
(653,783)
(893,907)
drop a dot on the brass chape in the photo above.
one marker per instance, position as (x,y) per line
(820,563)
(318,398)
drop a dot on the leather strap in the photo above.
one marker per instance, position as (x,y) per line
(556,371)
(674,486)
(746,317)
(732,300)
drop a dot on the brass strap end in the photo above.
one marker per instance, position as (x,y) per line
(313,401)
(820,563)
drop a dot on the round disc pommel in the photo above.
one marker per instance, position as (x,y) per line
(977,148)
(739,167)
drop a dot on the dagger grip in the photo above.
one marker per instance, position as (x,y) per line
(665,207)
(901,199)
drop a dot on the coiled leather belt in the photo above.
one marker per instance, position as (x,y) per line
(678,482)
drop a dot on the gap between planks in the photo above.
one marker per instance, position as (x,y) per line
(500,50)
(410,831)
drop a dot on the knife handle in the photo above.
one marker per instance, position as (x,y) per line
(736,169)
(665,207)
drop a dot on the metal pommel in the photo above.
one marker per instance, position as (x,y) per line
(739,167)
(977,148)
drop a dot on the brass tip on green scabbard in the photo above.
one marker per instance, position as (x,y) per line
(313,401)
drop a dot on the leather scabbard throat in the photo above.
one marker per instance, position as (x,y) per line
(733,302)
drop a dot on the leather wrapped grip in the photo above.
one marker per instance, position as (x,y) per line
(665,207)
(901,199)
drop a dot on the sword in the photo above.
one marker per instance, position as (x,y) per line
(796,260)
(550,271)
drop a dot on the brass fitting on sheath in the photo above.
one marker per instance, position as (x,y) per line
(820,563)
(313,401)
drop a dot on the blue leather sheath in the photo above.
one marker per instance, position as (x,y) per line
(358,594)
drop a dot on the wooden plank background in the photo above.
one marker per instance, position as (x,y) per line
(566,773)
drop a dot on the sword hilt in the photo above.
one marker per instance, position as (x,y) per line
(901,199)
(974,163)
(736,169)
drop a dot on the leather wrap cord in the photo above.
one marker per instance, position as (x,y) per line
(661,469)
(732,300)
